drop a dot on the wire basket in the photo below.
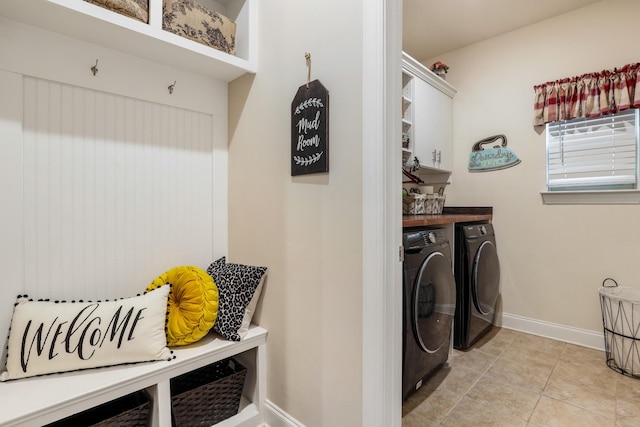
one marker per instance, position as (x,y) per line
(621,322)
(207,395)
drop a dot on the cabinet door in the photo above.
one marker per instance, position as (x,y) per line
(432,126)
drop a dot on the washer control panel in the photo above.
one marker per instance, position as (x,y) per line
(478,230)
(418,239)
(430,237)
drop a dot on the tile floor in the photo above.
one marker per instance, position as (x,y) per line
(510,379)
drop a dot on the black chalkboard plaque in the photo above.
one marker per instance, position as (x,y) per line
(310,130)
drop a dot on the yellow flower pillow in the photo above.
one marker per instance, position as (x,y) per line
(192,306)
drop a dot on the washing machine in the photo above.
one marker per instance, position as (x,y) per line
(429,298)
(477,273)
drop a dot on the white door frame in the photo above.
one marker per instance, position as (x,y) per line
(382,216)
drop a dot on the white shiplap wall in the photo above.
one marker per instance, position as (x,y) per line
(107,180)
(116,191)
(11,242)
(102,192)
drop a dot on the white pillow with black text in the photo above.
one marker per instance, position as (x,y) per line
(50,337)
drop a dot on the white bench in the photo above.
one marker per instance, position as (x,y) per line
(41,400)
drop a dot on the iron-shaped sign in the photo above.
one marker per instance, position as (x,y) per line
(490,159)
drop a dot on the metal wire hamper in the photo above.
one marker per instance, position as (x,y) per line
(621,322)
(132,410)
(207,395)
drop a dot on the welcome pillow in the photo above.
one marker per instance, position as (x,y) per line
(48,337)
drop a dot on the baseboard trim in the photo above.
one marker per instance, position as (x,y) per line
(274,416)
(555,331)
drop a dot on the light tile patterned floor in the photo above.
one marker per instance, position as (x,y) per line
(510,379)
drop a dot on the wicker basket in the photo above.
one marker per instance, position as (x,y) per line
(207,395)
(136,9)
(413,204)
(132,410)
(192,20)
(434,204)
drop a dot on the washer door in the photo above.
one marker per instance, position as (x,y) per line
(486,278)
(433,303)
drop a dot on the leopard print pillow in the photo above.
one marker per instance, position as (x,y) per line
(239,288)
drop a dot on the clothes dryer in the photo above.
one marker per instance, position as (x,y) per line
(429,298)
(477,273)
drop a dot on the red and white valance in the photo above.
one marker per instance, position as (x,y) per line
(587,96)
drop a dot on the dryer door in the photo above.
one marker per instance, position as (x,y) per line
(486,279)
(433,303)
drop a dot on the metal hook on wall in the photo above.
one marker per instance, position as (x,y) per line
(171,86)
(94,69)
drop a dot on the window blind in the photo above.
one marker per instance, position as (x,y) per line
(593,154)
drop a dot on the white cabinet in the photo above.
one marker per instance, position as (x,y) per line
(91,23)
(433,131)
(431,118)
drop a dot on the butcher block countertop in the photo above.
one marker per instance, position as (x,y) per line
(449,215)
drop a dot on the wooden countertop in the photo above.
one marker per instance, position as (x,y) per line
(449,215)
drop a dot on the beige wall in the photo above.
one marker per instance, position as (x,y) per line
(307,230)
(553,258)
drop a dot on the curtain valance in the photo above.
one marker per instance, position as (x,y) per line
(587,96)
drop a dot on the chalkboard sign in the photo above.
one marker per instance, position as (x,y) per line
(310,130)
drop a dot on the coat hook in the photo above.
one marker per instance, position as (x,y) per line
(171,87)
(94,69)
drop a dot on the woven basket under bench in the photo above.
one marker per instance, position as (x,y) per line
(132,410)
(207,395)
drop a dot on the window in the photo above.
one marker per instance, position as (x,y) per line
(593,154)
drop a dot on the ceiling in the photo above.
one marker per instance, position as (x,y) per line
(434,27)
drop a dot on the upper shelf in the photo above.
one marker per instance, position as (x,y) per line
(417,69)
(91,23)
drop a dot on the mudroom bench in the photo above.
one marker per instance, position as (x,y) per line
(42,400)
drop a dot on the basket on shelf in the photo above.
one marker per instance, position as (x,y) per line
(418,203)
(413,203)
(132,410)
(434,204)
(207,395)
(136,9)
(621,322)
(192,20)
